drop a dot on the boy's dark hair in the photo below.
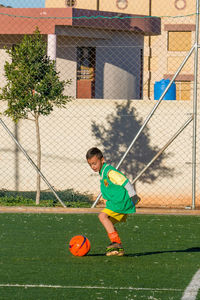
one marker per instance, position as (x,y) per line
(94,152)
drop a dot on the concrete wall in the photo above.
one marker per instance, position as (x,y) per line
(173,7)
(133,8)
(169,8)
(67,134)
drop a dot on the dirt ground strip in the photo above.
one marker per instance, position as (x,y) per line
(61,210)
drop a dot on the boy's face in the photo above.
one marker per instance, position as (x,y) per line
(96,163)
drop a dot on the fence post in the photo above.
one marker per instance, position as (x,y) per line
(195,107)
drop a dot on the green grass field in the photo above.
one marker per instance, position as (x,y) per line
(162,256)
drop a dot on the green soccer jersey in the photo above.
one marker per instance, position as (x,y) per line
(116,195)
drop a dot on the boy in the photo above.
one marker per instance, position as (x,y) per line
(120,195)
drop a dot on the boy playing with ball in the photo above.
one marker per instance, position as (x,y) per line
(120,195)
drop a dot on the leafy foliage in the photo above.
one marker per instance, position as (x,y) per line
(33,84)
(71,199)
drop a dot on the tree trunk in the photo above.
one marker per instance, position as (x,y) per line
(38,158)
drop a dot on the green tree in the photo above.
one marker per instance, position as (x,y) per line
(33,86)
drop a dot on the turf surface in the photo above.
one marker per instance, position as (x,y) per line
(162,255)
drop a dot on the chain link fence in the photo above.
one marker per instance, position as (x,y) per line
(119,56)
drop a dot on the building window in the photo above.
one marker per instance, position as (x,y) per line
(85,63)
(183,90)
(179,40)
(70,3)
(86,60)
(122,4)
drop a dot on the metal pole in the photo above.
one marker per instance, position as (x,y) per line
(150,115)
(164,148)
(96,201)
(31,161)
(194,142)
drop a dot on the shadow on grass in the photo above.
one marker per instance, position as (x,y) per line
(96,254)
(189,250)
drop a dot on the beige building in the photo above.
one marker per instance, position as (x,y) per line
(162,54)
(101,54)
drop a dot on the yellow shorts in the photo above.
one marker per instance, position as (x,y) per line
(115,217)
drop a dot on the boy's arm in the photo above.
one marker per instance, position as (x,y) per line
(119,179)
(132,193)
(130,189)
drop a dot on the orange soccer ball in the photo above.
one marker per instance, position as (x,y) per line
(79,245)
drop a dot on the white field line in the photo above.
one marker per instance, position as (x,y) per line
(192,289)
(86,287)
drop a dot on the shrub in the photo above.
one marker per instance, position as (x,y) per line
(69,197)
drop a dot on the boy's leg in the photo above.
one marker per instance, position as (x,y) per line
(109,227)
(115,248)
(106,222)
